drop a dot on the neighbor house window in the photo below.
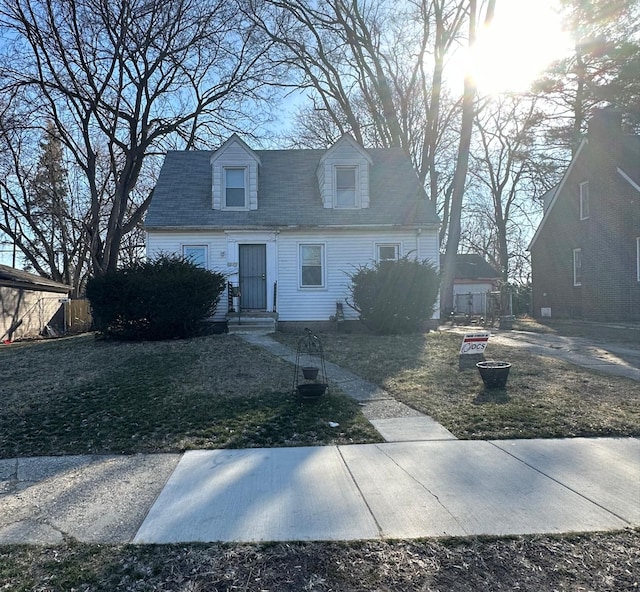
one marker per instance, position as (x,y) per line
(584,200)
(311,266)
(346,181)
(196,254)
(388,252)
(577,267)
(234,188)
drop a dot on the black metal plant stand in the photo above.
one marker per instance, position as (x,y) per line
(310,375)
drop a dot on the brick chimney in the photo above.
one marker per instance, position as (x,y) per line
(605,123)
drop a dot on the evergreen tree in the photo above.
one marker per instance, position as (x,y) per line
(604,68)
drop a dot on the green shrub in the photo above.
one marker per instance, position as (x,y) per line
(165,298)
(395,296)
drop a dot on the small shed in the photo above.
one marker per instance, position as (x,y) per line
(30,305)
(474,280)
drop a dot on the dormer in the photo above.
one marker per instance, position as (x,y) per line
(235,176)
(343,175)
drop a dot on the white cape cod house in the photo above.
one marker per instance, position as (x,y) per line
(287,227)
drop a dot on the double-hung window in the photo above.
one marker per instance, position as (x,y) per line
(346,183)
(235,188)
(311,266)
(584,200)
(577,267)
(196,254)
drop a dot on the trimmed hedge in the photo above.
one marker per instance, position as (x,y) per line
(169,297)
(395,297)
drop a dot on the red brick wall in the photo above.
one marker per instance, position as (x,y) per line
(610,290)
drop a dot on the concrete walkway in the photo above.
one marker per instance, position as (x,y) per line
(373,491)
(395,421)
(422,482)
(616,359)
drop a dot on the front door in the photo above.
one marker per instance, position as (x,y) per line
(253,277)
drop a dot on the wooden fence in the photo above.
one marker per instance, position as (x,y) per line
(77,316)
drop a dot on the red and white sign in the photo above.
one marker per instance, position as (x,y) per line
(475,343)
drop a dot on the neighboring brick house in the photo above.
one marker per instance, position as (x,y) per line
(585,255)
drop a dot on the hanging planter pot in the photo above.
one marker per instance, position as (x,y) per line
(310,375)
(312,390)
(494,373)
(310,372)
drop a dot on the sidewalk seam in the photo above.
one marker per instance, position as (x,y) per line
(362,496)
(423,486)
(583,496)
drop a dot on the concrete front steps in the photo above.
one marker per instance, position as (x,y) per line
(252,322)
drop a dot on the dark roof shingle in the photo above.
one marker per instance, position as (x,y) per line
(288,193)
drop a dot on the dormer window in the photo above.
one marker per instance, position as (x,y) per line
(235,188)
(343,175)
(234,176)
(346,183)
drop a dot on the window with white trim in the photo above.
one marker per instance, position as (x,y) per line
(584,200)
(235,194)
(577,267)
(196,254)
(389,252)
(312,266)
(346,180)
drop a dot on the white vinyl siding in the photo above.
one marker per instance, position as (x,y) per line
(577,267)
(234,157)
(345,154)
(343,251)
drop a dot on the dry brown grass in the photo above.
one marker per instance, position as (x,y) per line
(606,562)
(545,397)
(85,396)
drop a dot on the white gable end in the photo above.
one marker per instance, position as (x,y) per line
(235,176)
(343,175)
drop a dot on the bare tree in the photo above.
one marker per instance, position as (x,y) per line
(462,162)
(40,214)
(501,212)
(122,80)
(373,68)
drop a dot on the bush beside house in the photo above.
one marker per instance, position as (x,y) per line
(165,298)
(395,296)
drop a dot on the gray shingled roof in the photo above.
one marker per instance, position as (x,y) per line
(473,267)
(10,276)
(288,193)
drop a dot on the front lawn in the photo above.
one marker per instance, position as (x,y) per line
(80,395)
(545,397)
